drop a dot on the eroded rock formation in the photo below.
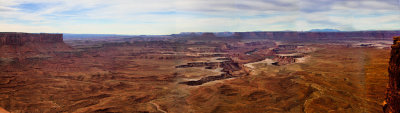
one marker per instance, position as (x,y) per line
(393,91)
(288,54)
(286,59)
(229,69)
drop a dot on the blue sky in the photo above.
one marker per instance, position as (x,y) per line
(174,16)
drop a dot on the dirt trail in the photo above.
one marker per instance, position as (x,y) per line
(158,107)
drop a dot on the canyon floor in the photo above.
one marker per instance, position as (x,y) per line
(194,76)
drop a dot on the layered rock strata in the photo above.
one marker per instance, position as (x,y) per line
(286,59)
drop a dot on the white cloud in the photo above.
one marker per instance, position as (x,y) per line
(173,16)
(26,28)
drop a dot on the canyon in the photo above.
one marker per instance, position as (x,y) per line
(196,72)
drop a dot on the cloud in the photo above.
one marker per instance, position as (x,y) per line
(6,9)
(392,5)
(173,16)
(20,27)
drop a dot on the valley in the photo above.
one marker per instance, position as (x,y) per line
(245,72)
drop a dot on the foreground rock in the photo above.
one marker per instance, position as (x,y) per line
(393,92)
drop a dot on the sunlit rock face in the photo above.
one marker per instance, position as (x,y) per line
(393,92)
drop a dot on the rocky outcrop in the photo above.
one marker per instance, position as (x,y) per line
(282,60)
(229,69)
(288,54)
(286,59)
(14,38)
(393,92)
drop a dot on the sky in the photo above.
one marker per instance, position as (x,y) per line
(159,17)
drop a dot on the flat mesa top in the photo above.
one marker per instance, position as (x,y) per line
(25,33)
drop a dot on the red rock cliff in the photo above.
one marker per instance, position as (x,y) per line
(14,38)
(393,91)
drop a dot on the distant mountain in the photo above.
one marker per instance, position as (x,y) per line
(324,30)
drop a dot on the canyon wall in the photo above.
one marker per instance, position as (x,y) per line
(376,35)
(319,35)
(297,35)
(14,38)
(393,92)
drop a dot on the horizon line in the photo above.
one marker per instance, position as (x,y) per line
(194,32)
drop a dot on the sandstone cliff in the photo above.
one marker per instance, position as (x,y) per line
(393,91)
(24,45)
(13,38)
